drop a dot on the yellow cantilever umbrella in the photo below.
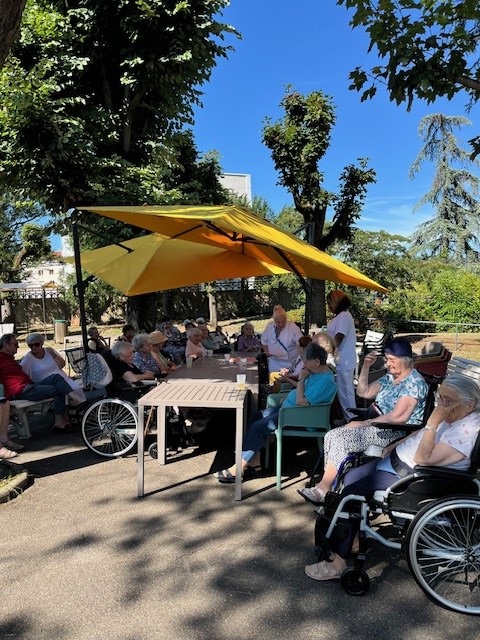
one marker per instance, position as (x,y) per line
(242,232)
(156,263)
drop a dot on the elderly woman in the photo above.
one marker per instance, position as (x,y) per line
(142,357)
(280,340)
(326,341)
(400,397)
(157,340)
(97,343)
(342,329)
(41,362)
(194,346)
(315,385)
(447,440)
(120,361)
(247,340)
(174,345)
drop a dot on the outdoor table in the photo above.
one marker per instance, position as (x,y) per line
(211,384)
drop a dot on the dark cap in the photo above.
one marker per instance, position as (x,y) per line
(399,347)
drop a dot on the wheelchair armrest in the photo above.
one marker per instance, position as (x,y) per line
(358,412)
(397,426)
(444,472)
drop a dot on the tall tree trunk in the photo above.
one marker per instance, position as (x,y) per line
(141,312)
(318,310)
(10,18)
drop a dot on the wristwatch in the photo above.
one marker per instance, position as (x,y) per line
(428,427)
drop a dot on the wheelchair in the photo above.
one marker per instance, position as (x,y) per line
(434,518)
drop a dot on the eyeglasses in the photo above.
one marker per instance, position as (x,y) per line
(445,400)
(34,344)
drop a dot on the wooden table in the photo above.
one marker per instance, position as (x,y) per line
(211,384)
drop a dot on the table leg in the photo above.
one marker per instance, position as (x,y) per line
(161,434)
(140,452)
(240,418)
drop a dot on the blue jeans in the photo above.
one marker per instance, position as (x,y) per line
(262,425)
(53,386)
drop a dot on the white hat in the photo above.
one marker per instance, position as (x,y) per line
(200,320)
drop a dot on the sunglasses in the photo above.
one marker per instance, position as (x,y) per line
(35,344)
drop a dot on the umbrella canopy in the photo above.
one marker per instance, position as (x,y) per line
(157,263)
(241,231)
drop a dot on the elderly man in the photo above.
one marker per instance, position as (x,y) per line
(19,386)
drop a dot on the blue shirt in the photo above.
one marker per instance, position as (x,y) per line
(319,387)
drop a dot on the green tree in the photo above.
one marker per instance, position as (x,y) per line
(298,142)
(453,233)
(95,95)
(427,49)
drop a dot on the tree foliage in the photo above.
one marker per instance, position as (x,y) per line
(453,233)
(298,142)
(92,92)
(427,49)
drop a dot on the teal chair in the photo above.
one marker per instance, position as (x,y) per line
(302,422)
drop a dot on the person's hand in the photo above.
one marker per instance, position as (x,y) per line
(356,423)
(304,373)
(149,375)
(441,412)
(388,449)
(370,358)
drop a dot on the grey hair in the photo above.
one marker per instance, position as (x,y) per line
(35,337)
(466,388)
(139,340)
(120,347)
(408,362)
(193,331)
(314,351)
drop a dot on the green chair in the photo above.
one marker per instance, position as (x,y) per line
(302,422)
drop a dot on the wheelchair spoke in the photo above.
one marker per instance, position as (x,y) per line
(109,427)
(443,552)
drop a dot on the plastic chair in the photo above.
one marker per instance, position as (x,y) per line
(311,421)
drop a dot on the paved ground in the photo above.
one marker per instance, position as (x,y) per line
(83,558)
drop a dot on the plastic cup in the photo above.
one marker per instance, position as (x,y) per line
(242,364)
(227,357)
(241,380)
(189,360)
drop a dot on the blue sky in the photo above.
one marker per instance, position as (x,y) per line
(309,45)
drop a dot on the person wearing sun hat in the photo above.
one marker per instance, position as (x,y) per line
(157,339)
(399,398)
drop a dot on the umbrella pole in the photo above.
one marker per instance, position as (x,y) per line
(80,284)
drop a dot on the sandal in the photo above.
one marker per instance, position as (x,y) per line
(326,570)
(313,496)
(13,446)
(224,477)
(6,454)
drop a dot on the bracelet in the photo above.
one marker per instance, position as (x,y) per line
(428,427)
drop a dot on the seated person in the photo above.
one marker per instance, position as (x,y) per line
(220,341)
(19,386)
(400,397)
(446,441)
(194,346)
(96,343)
(280,340)
(174,345)
(315,385)
(142,357)
(120,361)
(157,341)
(247,340)
(8,448)
(290,376)
(128,331)
(326,341)
(207,340)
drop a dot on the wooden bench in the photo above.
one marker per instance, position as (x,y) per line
(464,367)
(20,409)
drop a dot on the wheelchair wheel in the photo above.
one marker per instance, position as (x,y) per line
(109,427)
(443,552)
(355,582)
(153,450)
